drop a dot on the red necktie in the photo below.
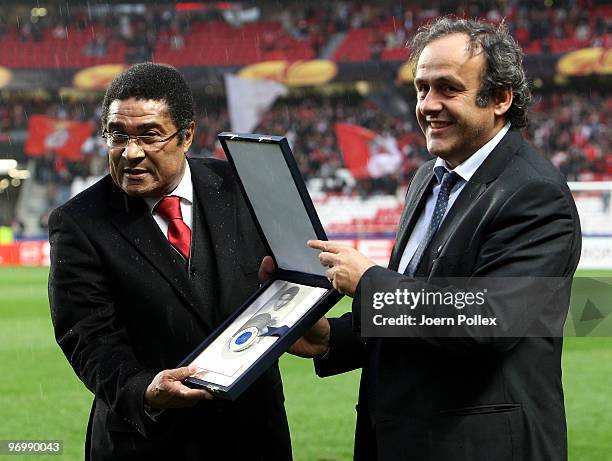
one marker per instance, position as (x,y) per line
(179,234)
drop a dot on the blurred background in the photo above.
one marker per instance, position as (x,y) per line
(333,78)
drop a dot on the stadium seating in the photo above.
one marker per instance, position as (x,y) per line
(570,127)
(210,43)
(343,215)
(58,52)
(216,42)
(351,216)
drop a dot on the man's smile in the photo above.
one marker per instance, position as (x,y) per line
(438,127)
(439,124)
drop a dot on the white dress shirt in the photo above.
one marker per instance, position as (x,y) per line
(185,191)
(465,171)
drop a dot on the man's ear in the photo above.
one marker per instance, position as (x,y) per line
(188,137)
(502,99)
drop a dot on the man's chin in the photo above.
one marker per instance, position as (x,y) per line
(438,150)
(137,190)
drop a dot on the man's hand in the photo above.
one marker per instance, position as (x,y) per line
(314,342)
(266,269)
(346,265)
(167,391)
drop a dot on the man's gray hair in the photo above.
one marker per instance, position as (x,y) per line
(503,67)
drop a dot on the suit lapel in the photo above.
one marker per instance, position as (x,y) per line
(415,200)
(490,169)
(219,212)
(466,200)
(134,221)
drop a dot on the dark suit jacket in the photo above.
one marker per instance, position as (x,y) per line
(124,307)
(471,398)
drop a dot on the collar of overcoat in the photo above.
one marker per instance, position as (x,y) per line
(134,221)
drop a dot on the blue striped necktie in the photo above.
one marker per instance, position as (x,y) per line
(449,179)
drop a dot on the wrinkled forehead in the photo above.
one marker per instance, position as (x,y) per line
(138,106)
(452,55)
(134,112)
(453,48)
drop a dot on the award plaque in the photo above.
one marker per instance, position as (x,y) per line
(284,308)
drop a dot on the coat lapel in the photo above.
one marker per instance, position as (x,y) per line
(490,169)
(412,210)
(134,221)
(466,200)
(219,209)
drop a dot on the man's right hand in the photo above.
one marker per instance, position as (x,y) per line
(167,391)
(315,341)
(266,269)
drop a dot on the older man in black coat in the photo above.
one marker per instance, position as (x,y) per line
(144,265)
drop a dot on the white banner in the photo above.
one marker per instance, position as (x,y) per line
(236,17)
(248,99)
(596,253)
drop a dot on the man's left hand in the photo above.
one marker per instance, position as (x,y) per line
(345,264)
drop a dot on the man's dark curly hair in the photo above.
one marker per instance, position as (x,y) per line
(503,60)
(158,82)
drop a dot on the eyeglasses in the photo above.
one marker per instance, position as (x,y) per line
(154,143)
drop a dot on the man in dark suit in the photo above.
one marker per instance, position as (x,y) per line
(488,206)
(144,265)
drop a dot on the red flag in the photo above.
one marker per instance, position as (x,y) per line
(365,153)
(219,153)
(354,142)
(62,137)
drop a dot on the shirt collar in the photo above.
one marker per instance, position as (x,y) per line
(184,189)
(467,169)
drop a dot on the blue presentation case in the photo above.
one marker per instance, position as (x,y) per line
(266,325)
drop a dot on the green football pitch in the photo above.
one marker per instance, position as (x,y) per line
(40,397)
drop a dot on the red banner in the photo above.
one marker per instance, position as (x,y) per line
(368,154)
(25,253)
(354,142)
(36,252)
(61,137)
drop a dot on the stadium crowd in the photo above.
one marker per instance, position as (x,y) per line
(571,129)
(144,27)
